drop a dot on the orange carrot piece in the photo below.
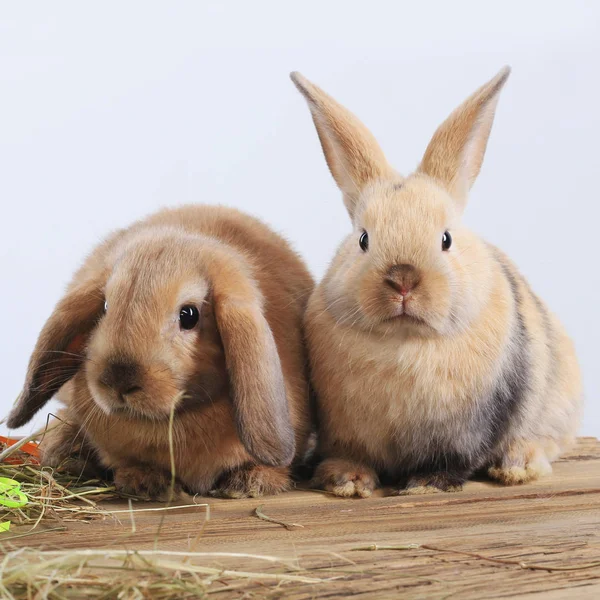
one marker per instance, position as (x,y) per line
(30,448)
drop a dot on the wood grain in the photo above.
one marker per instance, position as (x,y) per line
(553,522)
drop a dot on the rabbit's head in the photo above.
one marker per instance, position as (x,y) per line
(155,345)
(409,265)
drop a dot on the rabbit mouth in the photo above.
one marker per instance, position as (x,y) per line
(406,318)
(136,407)
(138,414)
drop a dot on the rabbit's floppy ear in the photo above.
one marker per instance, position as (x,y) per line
(257,386)
(352,153)
(455,153)
(59,351)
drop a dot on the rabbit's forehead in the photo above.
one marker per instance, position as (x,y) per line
(161,279)
(416,203)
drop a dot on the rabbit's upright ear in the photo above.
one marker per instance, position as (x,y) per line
(257,386)
(352,153)
(455,153)
(59,351)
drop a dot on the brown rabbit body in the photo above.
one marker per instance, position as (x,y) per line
(195,312)
(431,356)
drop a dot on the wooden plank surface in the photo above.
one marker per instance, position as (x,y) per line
(554,522)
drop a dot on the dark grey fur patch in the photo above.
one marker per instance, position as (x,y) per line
(512,387)
(440,458)
(442,480)
(453,467)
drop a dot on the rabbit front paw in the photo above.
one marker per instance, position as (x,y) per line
(345,478)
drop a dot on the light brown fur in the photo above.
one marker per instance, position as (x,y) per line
(468,370)
(237,381)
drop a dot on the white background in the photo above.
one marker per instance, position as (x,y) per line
(111,110)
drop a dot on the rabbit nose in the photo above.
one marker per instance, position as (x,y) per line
(123,377)
(403,278)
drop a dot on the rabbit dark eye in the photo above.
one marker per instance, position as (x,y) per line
(446,240)
(105,306)
(363,241)
(188,317)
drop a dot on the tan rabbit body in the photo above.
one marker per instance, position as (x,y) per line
(431,356)
(196,310)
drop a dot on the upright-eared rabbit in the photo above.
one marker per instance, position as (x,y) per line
(194,312)
(431,356)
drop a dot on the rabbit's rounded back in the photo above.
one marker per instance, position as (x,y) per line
(429,351)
